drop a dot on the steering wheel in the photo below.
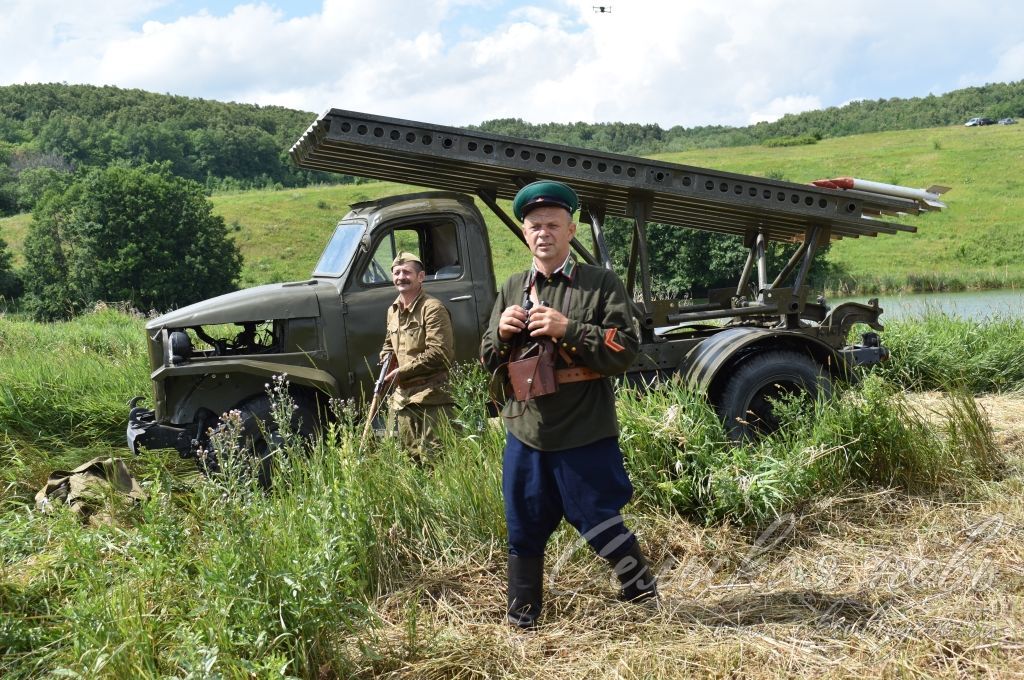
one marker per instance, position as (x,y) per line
(376,273)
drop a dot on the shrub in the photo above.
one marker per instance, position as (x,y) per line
(684,259)
(133,234)
(10,282)
(796,140)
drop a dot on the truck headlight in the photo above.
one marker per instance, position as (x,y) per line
(181,347)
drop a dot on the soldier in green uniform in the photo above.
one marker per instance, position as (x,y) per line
(562,456)
(419,335)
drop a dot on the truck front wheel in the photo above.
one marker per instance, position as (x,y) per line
(260,440)
(746,402)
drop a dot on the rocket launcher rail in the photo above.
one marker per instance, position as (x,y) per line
(496,166)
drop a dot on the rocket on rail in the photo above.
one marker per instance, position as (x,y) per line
(929,198)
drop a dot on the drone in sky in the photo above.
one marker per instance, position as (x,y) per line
(602,9)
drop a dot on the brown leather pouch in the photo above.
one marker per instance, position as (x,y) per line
(533,373)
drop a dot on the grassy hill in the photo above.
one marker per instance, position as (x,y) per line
(976,243)
(282,233)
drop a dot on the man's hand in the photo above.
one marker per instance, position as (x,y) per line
(512,321)
(545,321)
(392,374)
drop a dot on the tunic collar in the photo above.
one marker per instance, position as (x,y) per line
(397,304)
(568,270)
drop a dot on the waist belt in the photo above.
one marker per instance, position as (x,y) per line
(429,381)
(580,374)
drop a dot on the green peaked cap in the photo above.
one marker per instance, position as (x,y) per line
(544,192)
(406,258)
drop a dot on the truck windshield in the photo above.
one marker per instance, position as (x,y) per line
(338,253)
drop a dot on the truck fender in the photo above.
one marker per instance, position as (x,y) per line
(841,319)
(706,365)
(257,371)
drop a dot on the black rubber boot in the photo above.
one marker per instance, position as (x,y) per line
(525,586)
(638,581)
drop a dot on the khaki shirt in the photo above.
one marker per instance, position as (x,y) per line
(601,335)
(422,341)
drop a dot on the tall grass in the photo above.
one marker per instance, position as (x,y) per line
(218,576)
(844,284)
(71,380)
(63,392)
(870,436)
(943,351)
(212,576)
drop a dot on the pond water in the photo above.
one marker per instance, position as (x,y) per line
(977,305)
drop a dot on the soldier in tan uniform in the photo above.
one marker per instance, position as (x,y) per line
(419,334)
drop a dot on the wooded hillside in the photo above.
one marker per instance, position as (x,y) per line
(996,100)
(49,131)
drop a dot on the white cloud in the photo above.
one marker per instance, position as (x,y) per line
(47,40)
(1010,65)
(665,61)
(780,106)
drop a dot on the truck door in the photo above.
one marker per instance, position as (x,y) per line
(440,242)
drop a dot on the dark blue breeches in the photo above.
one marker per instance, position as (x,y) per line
(587,485)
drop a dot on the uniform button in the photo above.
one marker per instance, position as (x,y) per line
(573,349)
(565,344)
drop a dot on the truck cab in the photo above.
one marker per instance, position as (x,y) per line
(324,333)
(447,232)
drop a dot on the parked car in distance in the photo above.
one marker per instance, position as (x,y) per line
(973,122)
(1007,121)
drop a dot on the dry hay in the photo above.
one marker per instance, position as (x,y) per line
(876,584)
(1004,411)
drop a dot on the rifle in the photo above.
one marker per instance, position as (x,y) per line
(379,388)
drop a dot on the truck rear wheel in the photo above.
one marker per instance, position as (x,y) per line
(745,404)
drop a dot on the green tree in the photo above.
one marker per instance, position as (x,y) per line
(134,234)
(694,261)
(8,191)
(8,181)
(34,182)
(10,282)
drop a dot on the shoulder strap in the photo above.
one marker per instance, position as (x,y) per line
(527,285)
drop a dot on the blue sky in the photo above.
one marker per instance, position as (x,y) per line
(671,62)
(170,11)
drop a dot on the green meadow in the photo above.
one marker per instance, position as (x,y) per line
(978,242)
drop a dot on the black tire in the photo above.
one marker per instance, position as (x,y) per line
(260,441)
(745,402)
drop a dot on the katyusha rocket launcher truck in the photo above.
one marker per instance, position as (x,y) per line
(744,347)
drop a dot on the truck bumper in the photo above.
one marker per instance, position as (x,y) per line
(868,353)
(864,356)
(144,430)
